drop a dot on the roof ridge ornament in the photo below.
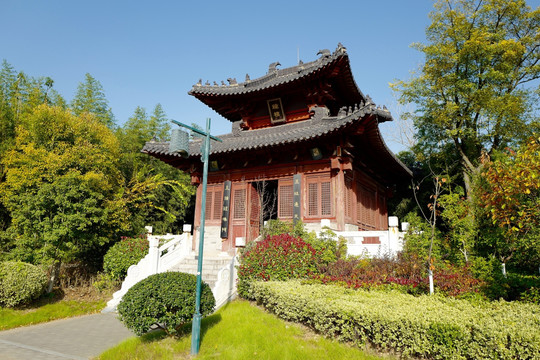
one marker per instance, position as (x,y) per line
(340,49)
(342,112)
(232,81)
(273,67)
(325,53)
(369,101)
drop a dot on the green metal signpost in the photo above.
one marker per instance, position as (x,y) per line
(179,143)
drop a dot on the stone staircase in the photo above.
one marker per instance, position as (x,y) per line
(218,269)
(210,268)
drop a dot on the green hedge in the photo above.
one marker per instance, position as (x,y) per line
(426,326)
(165,300)
(20,283)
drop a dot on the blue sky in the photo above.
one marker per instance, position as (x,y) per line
(149,52)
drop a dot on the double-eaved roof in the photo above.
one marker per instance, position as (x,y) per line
(357,114)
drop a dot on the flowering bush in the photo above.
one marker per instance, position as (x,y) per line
(406,274)
(278,257)
(123,254)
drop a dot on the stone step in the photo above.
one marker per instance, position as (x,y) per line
(210,267)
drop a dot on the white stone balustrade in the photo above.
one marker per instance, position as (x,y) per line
(159,259)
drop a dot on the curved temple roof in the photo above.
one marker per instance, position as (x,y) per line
(315,128)
(327,66)
(364,116)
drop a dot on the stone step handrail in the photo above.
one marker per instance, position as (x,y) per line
(159,259)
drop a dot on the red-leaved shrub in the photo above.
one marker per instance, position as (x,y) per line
(278,257)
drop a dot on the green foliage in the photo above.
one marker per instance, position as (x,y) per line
(425,326)
(407,273)
(462,226)
(19,95)
(475,91)
(239,331)
(106,283)
(90,98)
(123,254)
(156,193)
(328,246)
(165,300)
(418,238)
(61,185)
(12,318)
(531,295)
(68,185)
(20,283)
(512,200)
(278,257)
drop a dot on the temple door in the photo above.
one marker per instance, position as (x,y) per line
(254,213)
(238,216)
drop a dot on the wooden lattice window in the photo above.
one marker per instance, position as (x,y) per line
(319,196)
(285,199)
(326,200)
(208,205)
(218,198)
(383,218)
(366,214)
(214,198)
(349,195)
(239,198)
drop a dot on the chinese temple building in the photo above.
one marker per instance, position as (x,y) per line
(305,145)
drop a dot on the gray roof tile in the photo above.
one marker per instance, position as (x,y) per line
(273,78)
(275,135)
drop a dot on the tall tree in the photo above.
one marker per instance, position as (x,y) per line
(475,90)
(511,197)
(90,98)
(19,95)
(163,193)
(61,187)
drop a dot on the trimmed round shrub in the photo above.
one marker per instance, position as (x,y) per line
(123,254)
(165,300)
(278,257)
(20,283)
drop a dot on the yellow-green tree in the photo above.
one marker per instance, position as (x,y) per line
(512,198)
(162,194)
(475,91)
(61,187)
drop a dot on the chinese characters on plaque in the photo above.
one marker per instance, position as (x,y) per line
(296,197)
(276,110)
(225,210)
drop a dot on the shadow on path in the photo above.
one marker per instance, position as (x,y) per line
(74,338)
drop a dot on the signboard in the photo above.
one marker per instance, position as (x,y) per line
(296,197)
(276,110)
(225,210)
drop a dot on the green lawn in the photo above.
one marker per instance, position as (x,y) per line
(11,318)
(238,331)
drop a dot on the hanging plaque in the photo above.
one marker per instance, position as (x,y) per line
(296,197)
(225,210)
(276,110)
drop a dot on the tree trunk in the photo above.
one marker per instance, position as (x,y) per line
(54,272)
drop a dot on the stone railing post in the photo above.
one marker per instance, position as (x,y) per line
(393,235)
(153,251)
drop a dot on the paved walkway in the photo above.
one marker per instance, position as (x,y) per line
(75,338)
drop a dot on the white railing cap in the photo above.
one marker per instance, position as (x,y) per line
(393,221)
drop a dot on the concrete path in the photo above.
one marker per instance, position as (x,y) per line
(76,338)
